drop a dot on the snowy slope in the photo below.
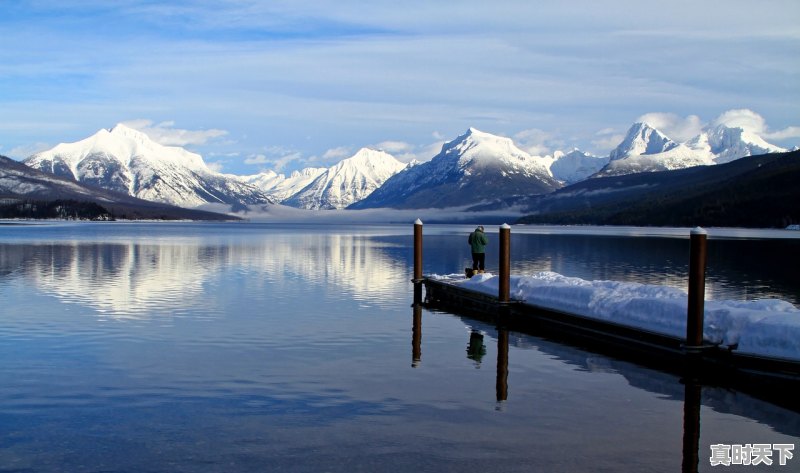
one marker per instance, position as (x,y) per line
(727,144)
(646,149)
(474,167)
(125,160)
(575,166)
(20,183)
(280,187)
(348,182)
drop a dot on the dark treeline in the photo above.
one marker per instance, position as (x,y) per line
(59,209)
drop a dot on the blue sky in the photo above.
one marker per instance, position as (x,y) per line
(281,85)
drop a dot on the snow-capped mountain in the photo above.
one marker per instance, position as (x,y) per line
(348,182)
(23,185)
(474,167)
(280,187)
(727,144)
(642,139)
(125,160)
(646,149)
(575,166)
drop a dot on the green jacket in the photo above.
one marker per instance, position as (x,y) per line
(477,240)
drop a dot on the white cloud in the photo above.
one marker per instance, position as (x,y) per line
(338,153)
(743,118)
(395,147)
(674,126)
(786,133)
(164,133)
(216,166)
(751,121)
(607,139)
(407,152)
(534,141)
(257,159)
(275,157)
(24,151)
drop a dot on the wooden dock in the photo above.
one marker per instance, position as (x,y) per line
(774,379)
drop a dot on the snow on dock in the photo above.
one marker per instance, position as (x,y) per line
(764,328)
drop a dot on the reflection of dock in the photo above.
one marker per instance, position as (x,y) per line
(476,350)
(775,379)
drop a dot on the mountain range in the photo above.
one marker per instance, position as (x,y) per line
(645,149)
(473,170)
(337,187)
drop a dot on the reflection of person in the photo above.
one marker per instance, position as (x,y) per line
(476,349)
(477,241)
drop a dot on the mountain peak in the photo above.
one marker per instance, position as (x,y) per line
(642,138)
(121,128)
(730,143)
(126,160)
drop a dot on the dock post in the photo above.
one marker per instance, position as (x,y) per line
(417,251)
(505,264)
(697,287)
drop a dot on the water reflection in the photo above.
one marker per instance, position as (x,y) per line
(476,350)
(416,329)
(691,425)
(502,364)
(689,390)
(142,279)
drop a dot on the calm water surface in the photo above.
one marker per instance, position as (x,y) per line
(257,347)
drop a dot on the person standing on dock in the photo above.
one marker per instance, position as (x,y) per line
(477,241)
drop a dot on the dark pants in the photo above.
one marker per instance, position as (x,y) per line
(478,261)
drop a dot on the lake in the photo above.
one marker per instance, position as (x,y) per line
(191,347)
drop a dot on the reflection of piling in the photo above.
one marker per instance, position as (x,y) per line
(505,264)
(502,364)
(691,425)
(697,282)
(418,251)
(416,337)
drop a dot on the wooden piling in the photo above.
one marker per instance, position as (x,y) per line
(418,251)
(505,264)
(697,283)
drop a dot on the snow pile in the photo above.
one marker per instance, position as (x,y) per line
(766,327)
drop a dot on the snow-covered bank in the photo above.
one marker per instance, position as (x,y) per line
(766,327)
